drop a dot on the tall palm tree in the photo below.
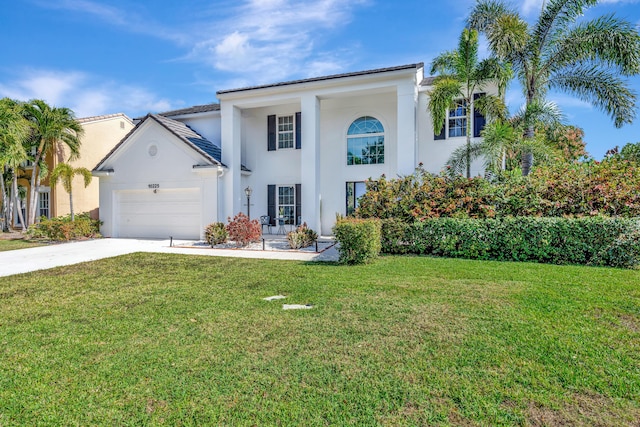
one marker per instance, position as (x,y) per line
(51,126)
(460,75)
(588,59)
(13,131)
(65,173)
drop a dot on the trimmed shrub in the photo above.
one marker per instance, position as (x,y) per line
(359,239)
(62,228)
(301,237)
(242,230)
(597,241)
(215,233)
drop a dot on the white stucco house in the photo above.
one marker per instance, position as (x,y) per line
(304,147)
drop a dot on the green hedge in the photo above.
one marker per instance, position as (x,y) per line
(588,241)
(359,239)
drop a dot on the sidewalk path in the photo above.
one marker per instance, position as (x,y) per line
(44,257)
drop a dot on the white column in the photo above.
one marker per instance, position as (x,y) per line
(231,132)
(407,130)
(310,162)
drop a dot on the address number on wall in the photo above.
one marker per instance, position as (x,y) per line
(154,185)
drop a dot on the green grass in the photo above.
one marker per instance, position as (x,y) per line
(150,339)
(13,244)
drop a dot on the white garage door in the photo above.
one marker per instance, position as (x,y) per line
(168,212)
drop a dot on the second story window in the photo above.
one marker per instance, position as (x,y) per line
(458,120)
(365,142)
(285,132)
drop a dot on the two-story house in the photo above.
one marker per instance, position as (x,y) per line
(304,148)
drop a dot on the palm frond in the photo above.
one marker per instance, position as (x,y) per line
(492,107)
(485,14)
(545,113)
(445,63)
(445,90)
(458,160)
(606,40)
(601,88)
(557,16)
(467,57)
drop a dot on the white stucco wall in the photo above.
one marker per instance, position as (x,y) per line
(433,154)
(206,124)
(336,117)
(170,168)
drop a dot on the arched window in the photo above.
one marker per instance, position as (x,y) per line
(365,142)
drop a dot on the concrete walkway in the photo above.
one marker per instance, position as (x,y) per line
(44,257)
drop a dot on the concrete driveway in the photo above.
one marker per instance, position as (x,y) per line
(44,257)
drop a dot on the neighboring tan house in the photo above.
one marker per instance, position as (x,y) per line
(101,134)
(305,148)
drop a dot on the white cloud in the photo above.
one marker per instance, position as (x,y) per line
(275,39)
(126,19)
(86,95)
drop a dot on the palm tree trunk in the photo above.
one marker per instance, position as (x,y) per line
(468,159)
(17,201)
(5,201)
(527,155)
(12,199)
(33,194)
(71,205)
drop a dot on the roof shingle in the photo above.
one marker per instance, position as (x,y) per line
(323,78)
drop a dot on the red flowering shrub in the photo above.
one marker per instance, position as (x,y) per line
(242,230)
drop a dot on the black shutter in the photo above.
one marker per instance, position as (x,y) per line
(478,119)
(298,217)
(271,203)
(441,135)
(298,131)
(271,133)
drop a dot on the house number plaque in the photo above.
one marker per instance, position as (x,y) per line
(154,185)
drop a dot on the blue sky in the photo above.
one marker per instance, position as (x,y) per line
(106,56)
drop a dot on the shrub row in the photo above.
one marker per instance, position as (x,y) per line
(62,228)
(608,188)
(597,241)
(359,239)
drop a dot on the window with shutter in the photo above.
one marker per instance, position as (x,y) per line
(271,203)
(271,133)
(479,121)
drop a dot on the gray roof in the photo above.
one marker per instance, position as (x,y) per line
(427,81)
(191,110)
(331,77)
(184,132)
(192,138)
(102,117)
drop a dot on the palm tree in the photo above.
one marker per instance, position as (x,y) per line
(51,127)
(590,59)
(65,173)
(460,75)
(13,131)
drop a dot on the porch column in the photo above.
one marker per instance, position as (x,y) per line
(310,162)
(407,131)
(231,130)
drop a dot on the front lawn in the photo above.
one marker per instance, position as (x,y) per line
(151,339)
(13,244)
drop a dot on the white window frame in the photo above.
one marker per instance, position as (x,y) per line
(457,116)
(289,209)
(44,191)
(286,131)
(380,136)
(358,190)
